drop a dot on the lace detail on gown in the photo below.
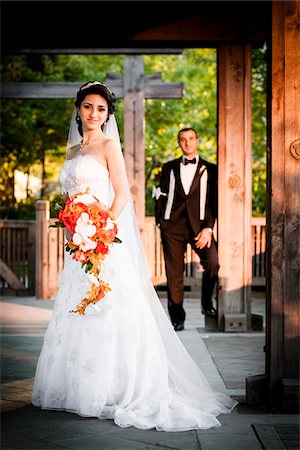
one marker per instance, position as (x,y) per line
(122,360)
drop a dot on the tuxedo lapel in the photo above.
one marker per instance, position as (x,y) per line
(195,182)
(177,176)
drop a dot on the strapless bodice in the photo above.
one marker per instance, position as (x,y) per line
(84,172)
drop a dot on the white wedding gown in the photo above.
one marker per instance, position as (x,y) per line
(122,360)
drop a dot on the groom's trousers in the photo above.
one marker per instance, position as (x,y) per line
(174,247)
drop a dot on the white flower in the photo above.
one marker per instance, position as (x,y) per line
(157,192)
(86,199)
(83,231)
(109,224)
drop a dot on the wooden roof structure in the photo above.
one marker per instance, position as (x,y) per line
(138,26)
(233,27)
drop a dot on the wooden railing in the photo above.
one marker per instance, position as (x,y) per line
(17,263)
(258,250)
(49,253)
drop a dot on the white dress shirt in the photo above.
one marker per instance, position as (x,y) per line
(187,174)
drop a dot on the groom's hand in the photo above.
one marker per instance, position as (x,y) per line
(204,238)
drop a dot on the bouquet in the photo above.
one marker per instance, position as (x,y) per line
(93,232)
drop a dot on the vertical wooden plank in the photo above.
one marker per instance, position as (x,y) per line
(292,187)
(253,249)
(151,244)
(283,288)
(257,249)
(247,276)
(158,253)
(52,262)
(60,250)
(17,246)
(134,152)
(234,172)
(274,306)
(31,257)
(24,263)
(9,252)
(263,251)
(42,218)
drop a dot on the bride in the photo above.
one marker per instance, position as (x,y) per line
(122,359)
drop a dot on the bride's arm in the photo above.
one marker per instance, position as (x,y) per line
(118,176)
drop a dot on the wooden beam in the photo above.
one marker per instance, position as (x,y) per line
(43,90)
(153,89)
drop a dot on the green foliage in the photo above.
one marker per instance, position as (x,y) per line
(33,132)
(196,70)
(259,131)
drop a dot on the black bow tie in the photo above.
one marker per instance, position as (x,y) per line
(189,161)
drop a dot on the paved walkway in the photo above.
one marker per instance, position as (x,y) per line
(225,359)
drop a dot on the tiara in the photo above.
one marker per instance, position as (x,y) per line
(94,83)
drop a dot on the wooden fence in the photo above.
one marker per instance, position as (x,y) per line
(17,259)
(47,252)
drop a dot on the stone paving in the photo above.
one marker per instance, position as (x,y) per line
(225,359)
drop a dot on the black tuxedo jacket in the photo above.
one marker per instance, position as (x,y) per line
(181,207)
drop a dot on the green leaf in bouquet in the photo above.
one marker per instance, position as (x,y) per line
(58,206)
(57,225)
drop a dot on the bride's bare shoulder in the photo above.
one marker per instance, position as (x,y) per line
(110,146)
(109,142)
(106,147)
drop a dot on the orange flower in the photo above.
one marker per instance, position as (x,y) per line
(92,246)
(80,256)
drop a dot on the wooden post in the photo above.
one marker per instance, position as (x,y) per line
(52,261)
(283,277)
(234,178)
(31,258)
(42,221)
(134,152)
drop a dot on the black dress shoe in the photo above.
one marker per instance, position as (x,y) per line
(179,326)
(211,312)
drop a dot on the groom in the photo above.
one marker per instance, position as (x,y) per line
(185,211)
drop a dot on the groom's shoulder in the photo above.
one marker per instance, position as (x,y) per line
(170,164)
(209,165)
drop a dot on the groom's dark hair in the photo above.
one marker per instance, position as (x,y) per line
(186,129)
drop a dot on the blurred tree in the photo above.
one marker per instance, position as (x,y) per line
(259,130)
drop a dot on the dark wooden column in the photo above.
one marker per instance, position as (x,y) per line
(235,186)
(283,274)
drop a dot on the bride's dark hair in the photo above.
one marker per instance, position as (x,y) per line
(95,87)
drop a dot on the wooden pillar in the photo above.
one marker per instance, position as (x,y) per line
(134,152)
(42,222)
(283,275)
(235,186)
